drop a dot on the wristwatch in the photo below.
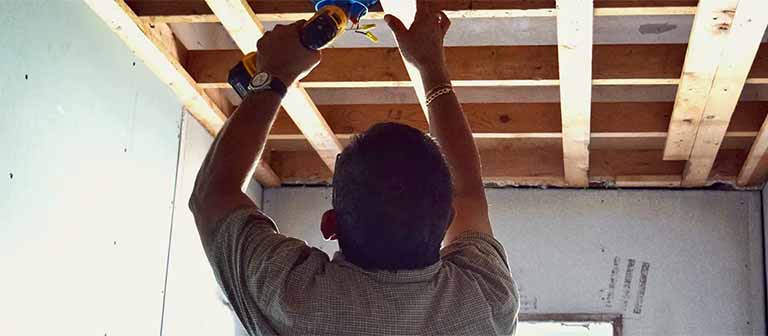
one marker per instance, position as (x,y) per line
(263,81)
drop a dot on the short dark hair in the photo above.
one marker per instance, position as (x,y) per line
(392,194)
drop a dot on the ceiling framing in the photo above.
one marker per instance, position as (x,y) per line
(585,108)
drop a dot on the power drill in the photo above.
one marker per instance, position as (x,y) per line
(328,23)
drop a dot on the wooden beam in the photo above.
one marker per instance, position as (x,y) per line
(708,39)
(607,140)
(626,126)
(196,12)
(543,166)
(755,169)
(452,14)
(405,10)
(142,41)
(177,52)
(239,20)
(574,38)
(646,181)
(743,41)
(163,33)
(481,66)
(486,83)
(511,118)
(149,46)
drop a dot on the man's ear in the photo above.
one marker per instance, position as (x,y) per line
(328,225)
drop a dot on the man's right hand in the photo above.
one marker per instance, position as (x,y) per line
(283,56)
(422,45)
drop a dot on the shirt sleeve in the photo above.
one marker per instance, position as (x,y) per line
(483,259)
(256,266)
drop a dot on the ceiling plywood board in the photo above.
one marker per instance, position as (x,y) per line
(203,36)
(536,31)
(754,92)
(645,29)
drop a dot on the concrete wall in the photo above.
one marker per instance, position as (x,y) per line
(571,251)
(88,152)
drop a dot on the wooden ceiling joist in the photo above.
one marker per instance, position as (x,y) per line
(599,140)
(523,118)
(503,66)
(543,166)
(574,51)
(239,20)
(708,39)
(196,12)
(755,169)
(150,47)
(743,41)
(639,139)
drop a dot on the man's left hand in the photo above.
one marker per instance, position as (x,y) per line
(282,55)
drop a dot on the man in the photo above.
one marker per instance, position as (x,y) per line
(394,203)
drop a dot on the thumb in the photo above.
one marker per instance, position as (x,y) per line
(395,24)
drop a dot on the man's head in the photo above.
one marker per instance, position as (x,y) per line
(392,196)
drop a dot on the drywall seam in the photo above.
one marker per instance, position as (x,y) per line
(182,131)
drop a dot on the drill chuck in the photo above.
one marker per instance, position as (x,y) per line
(323,28)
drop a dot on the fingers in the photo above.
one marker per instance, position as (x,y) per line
(395,24)
(423,8)
(298,25)
(261,41)
(444,21)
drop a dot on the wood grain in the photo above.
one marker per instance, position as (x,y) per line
(742,44)
(538,165)
(661,64)
(163,55)
(193,10)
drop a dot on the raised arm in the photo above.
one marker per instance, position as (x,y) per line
(422,46)
(232,158)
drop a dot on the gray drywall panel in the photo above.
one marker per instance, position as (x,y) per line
(703,251)
(88,153)
(298,211)
(194,304)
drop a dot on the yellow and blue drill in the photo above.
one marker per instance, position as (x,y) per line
(329,22)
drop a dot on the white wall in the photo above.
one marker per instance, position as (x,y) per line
(194,304)
(88,152)
(703,250)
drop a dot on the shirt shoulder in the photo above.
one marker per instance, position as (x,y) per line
(482,261)
(475,244)
(258,268)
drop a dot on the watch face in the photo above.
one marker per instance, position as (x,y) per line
(259,81)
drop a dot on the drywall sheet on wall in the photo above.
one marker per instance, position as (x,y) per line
(194,304)
(672,262)
(89,144)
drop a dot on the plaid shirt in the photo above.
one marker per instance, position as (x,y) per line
(279,285)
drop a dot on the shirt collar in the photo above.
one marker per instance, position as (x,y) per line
(399,276)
